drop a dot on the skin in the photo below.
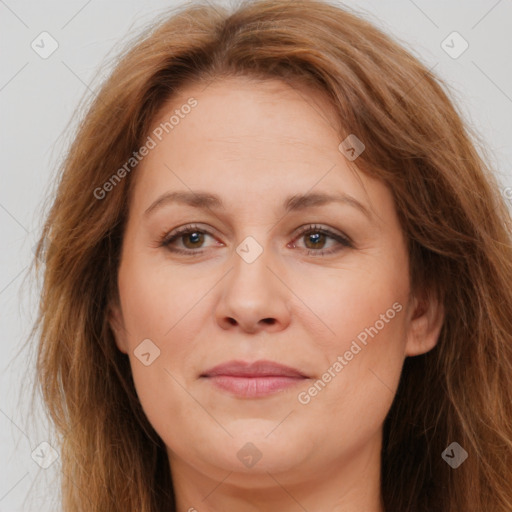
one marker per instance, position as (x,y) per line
(254,144)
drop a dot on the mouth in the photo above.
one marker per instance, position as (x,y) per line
(253,380)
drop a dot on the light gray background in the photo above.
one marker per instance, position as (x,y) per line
(38,98)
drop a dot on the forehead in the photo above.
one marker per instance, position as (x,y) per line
(241,113)
(266,138)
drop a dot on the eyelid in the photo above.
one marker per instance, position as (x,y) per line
(342,239)
(169,236)
(322,229)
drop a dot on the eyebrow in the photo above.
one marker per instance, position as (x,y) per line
(297,202)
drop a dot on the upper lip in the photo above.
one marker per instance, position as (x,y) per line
(255,369)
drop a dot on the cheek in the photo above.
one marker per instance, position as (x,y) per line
(156,300)
(365,304)
(161,309)
(363,356)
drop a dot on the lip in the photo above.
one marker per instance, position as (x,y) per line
(253,380)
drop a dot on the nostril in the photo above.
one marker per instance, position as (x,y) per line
(270,321)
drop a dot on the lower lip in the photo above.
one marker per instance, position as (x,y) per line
(254,387)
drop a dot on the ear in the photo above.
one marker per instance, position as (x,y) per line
(424,326)
(116,322)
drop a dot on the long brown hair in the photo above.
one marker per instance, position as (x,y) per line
(457,225)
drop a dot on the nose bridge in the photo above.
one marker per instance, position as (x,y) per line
(251,261)
(252,295)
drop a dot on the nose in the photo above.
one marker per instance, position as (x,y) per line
(253,297)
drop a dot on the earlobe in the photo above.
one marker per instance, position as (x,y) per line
(116,322)
(424,326)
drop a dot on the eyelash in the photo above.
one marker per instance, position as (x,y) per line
(168,238)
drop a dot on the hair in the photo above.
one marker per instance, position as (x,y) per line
(456,223)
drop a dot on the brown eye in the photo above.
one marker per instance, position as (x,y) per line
(317,240)
(196,238)
(190,238)
(316,237)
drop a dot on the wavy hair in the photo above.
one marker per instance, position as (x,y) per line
(457,225)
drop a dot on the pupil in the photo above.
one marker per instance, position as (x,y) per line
(194,237)
(315,238)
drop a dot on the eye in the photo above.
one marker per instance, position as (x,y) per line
(192,237)
(316,237)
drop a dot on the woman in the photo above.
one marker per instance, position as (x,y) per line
(278,278)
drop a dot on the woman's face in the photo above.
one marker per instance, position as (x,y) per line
(271,270)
